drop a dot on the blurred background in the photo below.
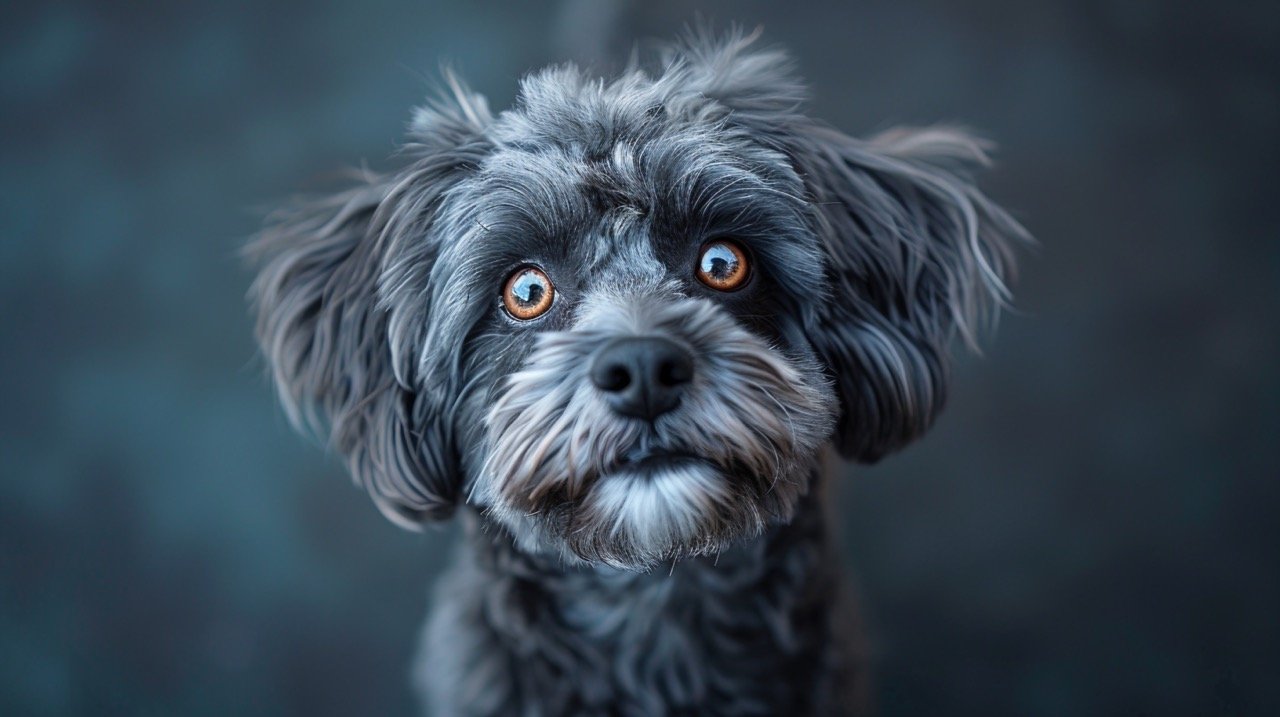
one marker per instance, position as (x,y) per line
(1092,528)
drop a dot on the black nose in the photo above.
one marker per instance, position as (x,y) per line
(642,377)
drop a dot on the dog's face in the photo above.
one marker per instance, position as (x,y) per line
(635,342)
(622,319)
(639,355)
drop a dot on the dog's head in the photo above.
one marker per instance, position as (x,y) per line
(622,318)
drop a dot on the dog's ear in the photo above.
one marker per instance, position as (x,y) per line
(915,253)
(325,315)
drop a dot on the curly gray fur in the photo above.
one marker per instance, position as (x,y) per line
(586,584)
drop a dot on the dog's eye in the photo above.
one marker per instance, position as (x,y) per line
(723,265)
(528,293)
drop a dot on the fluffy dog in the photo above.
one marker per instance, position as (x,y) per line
(614,327)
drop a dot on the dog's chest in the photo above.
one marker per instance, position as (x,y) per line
(739,637)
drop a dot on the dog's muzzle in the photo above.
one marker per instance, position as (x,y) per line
(656,427)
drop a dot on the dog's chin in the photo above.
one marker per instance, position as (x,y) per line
(658,507)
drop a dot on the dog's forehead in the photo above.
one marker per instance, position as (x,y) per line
(596,186)
(621,243)
(584,202)
(623,257)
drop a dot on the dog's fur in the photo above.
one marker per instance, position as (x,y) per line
(586,585)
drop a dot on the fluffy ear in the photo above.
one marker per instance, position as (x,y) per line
(915,253)
(325,316)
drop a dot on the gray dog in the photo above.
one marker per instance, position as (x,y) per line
(614,327)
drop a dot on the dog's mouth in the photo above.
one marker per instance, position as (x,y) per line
(654,500)
(650,460)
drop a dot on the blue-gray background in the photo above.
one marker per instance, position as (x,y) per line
(1091,528)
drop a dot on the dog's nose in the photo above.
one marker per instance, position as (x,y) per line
(642,377)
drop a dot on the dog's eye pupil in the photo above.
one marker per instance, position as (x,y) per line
(528,293)
(723,265)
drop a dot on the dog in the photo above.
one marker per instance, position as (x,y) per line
(614,329)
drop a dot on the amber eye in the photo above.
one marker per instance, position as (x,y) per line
(723,265)
(528,293)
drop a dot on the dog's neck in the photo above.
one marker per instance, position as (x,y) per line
(750,626)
